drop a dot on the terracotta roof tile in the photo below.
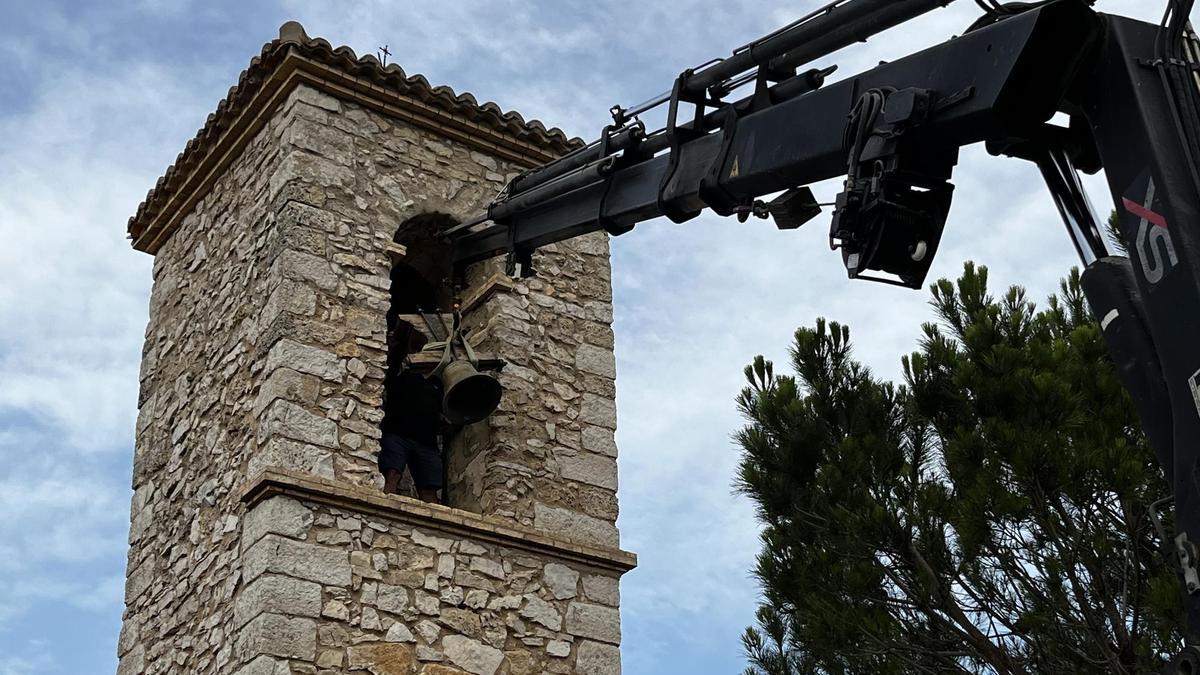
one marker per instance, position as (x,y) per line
(293,39)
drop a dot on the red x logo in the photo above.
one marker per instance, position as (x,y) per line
(1145,213)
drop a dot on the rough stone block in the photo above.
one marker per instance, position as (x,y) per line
(139,580)
(312,562)
(277,515)
(292,297)
(314,97)
(445,566)
(598,470)
(291,215)
(598,410)
(277,595)
(129,637)
(288,420)
(382,658)
(323,140)
(336,610)
(292,455)
(277,635)
(426,603)
(562,581)
(309,171)
(133,662)
(595,658)
(599,311)
(428,630)
(464,621)
(265,665)
(288,353)
(330,658)
(602,589)
(392,599)
(600,440)
(487,566)
(594,622)
(471,655)
(288,234)
(596,360)
(439,544)
(399,633)
(439,669)
(540,611)
(307,268)
(311,330)
(288,385)
(560,522)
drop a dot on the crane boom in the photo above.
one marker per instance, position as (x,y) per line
(1131,89)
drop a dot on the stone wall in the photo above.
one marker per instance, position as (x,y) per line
(548,459)
(551,461)
(265,351)
(196,416)
(343,589)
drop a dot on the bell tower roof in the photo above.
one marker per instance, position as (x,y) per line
(294,58)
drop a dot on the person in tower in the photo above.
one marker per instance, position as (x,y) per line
(412,417)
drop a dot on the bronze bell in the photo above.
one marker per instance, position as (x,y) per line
(470,395)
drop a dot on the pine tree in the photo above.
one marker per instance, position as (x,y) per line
(987,516)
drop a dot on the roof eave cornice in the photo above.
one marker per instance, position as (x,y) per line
(457,117)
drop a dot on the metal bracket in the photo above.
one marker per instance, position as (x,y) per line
(519,261)
(892,212)
(711,193)
(1186,554)
(676,137)
(1159,63)
(711,190)
(1183,550)
(605,150)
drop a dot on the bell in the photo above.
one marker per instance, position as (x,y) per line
(470,395)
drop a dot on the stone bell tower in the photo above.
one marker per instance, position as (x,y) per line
(260,541)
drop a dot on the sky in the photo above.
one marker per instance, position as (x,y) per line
(96,100)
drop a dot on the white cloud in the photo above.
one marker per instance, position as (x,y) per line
(72,284)
(79,154)
(39,661)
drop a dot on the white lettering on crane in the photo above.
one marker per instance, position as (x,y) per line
(1108,319)
(1155,247)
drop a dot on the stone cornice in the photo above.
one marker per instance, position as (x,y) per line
(295,59)
(273,482)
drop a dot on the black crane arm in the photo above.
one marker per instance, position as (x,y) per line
(1131,89)
(989,83)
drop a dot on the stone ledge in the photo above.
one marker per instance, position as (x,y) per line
(496,283)
(271,482)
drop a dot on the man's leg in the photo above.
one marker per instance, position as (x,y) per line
(391,481)
(392,458)
(425,463)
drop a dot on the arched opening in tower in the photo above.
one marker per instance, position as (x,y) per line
(422,281)
(411,457)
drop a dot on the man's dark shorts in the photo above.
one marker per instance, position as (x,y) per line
(424,461)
